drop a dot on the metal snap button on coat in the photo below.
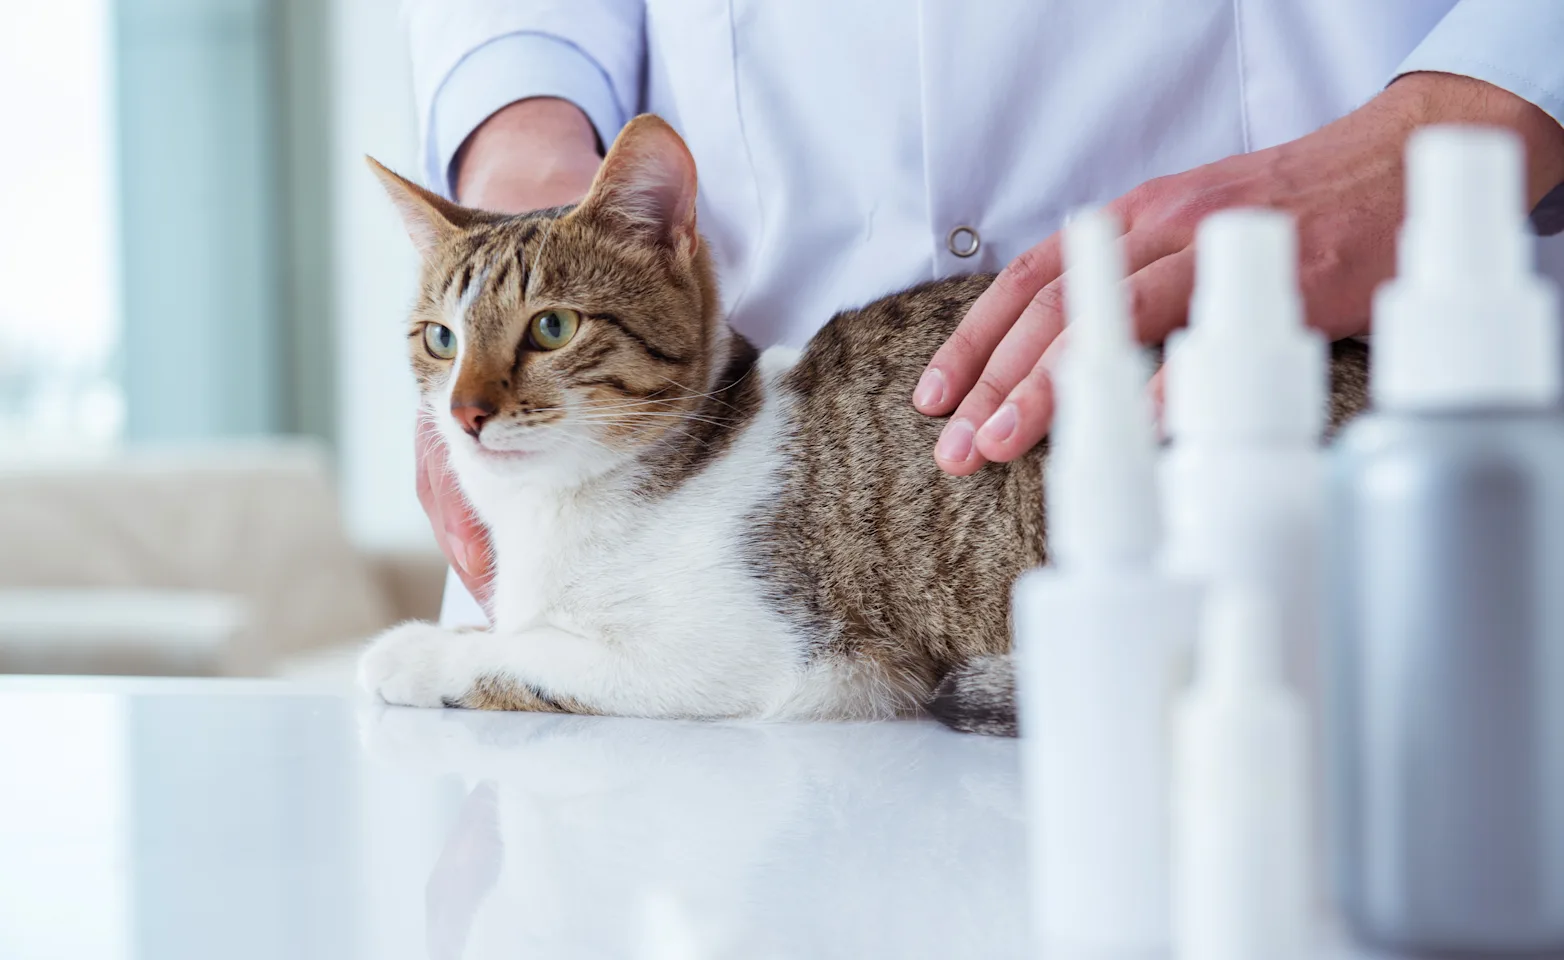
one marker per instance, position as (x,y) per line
(963,241)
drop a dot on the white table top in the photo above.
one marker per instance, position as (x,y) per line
(161,820)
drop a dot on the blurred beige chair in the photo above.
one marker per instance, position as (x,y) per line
(224,561)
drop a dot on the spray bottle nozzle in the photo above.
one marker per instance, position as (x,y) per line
(1247,370)
(1098,314)
(1101,487)
(1466,323)
(1466,204)
(1246,263)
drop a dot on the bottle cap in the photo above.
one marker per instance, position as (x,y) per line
(1247,369)
(1466,322)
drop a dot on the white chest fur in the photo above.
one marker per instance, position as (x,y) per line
(672,580)
(631,604)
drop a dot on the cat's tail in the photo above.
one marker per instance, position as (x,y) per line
(978,696)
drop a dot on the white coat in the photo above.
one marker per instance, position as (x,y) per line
(850,148)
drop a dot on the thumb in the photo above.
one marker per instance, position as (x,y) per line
(466,539)
(1156,389)
(462,538)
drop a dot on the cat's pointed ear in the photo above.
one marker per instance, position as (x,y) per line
(429,218)
(647,184)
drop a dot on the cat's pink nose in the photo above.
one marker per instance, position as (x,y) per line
(471,414)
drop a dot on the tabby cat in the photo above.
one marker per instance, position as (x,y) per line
(684,526)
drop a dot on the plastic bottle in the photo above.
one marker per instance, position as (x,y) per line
(1243,480)
(1241,787)
(1447,634)
(1100,633)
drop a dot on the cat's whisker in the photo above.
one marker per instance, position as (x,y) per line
(668,400)
(616,406)
(576,439)
(646,424)
(677,429)
(654,413)
(687,434)
(605,404)
(713,394)
(599,405)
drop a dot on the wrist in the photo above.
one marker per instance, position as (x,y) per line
(532,153)
(1452,98)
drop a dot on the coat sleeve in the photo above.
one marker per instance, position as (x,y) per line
(473,57)
(1517,45)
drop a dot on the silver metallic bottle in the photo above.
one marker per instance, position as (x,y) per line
(1446,653)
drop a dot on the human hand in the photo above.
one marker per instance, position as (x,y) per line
(462,539)
(1343,183)
(530,155)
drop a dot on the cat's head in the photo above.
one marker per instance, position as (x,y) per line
(565,342)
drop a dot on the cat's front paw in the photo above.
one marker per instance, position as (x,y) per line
(413,664)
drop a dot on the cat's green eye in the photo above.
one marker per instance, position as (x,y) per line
(440,341)
(552,329)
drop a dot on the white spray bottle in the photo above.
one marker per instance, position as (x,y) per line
(1244,488)
(1241,786)
(1099,634)
(1243,480)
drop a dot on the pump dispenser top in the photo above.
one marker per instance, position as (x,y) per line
(1101,484)
(1466,322)
(1247,370)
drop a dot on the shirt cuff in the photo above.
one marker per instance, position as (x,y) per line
(514,67)
(1514,45)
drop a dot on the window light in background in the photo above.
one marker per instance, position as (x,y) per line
(59,317)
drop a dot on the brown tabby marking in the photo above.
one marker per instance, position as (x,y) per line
(978,696)
(1349,383)
(504,693)
(872,549)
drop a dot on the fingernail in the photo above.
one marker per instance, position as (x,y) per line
(456,550)
(931,389)
(955,444)
(1001,425)
(474,559)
